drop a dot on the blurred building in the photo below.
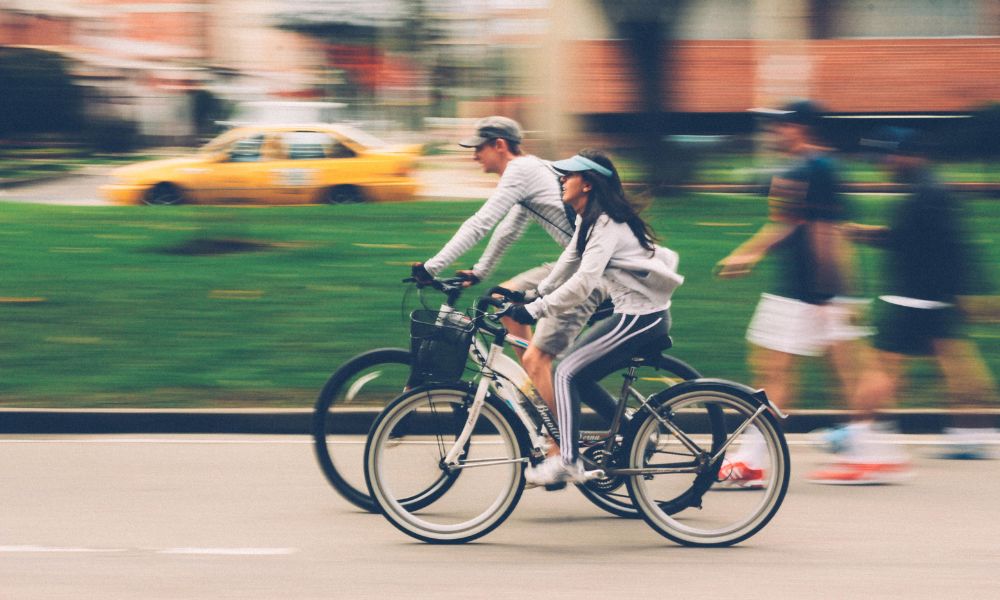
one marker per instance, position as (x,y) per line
(560,66)
(857,57)
(141,60)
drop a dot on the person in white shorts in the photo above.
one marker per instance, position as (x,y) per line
(803,314)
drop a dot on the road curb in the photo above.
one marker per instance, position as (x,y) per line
(299,421)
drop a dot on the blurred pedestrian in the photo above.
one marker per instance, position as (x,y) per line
(929,266)
(802,315)
(528,190)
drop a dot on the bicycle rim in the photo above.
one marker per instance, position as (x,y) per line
(365,383)
(725,503)
(404,457)
(611,494)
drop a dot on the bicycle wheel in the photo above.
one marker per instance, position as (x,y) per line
(610,493)
(712,517)
(404,456)
(367,381)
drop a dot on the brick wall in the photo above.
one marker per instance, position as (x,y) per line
(851,76)
(907,75)
(34,30)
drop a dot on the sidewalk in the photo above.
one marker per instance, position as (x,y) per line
(298,421)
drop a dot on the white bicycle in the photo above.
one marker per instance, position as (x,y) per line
(445,461)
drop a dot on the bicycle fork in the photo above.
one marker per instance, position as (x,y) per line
(451,460)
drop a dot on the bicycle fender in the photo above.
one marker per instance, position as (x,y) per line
(756,396)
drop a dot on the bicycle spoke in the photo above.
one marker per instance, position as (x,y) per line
(746,453)
(481,489)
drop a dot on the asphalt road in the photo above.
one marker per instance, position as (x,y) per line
(247,517)
(78,189)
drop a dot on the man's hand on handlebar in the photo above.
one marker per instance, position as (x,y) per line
(468,277)
(420,274)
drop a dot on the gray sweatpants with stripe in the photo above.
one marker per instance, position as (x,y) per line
(607,347)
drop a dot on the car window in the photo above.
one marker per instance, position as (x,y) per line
(246,149)
(313,144)
(362,137)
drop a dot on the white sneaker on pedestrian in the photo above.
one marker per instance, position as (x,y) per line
(835,440)
(872,456)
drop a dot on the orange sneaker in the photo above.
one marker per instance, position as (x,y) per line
(868,473)
(739,475)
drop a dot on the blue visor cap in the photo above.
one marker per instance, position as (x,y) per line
(577,163)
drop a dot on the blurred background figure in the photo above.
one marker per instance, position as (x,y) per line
(801,315)
(929,266)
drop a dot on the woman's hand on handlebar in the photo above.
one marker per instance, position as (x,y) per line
(504,308)
(515,295)
(520,314)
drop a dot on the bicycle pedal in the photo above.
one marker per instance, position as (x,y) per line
(555,487)
(595,474)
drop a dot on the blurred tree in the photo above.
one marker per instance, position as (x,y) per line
(206,110)
(649,28)
(38,94)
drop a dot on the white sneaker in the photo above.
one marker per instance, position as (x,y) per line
(553,470)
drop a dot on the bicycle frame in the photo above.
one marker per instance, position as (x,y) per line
(523,398)
(497,366)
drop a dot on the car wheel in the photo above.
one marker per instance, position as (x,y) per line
(163,194)
(343,194)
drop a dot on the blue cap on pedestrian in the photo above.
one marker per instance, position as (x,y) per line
(799,112)
(895,140)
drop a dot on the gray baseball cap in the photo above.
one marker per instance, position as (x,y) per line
(491,128)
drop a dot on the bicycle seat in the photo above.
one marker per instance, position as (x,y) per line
(653,348)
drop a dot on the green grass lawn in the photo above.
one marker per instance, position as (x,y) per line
(135,306)
(741,168)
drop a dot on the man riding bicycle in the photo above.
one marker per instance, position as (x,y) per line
(528,191)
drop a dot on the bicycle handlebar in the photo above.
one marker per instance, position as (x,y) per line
(452,287)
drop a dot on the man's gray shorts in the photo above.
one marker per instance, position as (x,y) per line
(554,334)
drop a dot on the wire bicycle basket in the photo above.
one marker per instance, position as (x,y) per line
(439,345)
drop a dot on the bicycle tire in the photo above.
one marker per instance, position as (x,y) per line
(709,526)
(496,427)
(605,493)
(325,423)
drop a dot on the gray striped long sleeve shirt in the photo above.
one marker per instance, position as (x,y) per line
(528,190)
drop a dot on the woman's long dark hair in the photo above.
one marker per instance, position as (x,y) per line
(607,196)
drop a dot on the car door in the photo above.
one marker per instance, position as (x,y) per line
(315,163)
(243,173)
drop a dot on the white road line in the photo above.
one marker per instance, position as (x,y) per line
(31,549)
(231,551)
(151,441)
(54,549)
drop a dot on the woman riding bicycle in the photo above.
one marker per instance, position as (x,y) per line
(612,246)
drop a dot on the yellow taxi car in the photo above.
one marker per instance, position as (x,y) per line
(274,164)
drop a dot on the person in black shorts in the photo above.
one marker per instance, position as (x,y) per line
(929,266)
